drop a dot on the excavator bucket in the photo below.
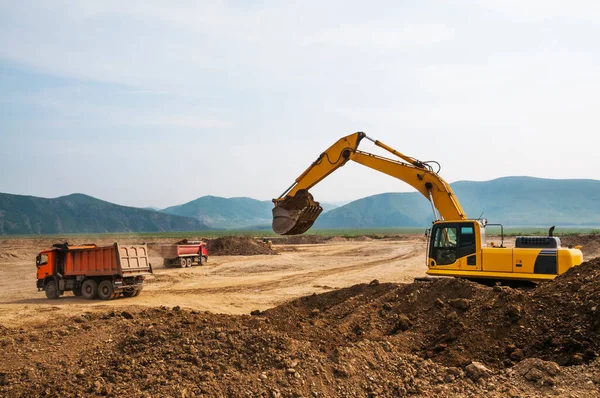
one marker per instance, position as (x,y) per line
(294,215)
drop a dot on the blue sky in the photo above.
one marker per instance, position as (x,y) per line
(143,103)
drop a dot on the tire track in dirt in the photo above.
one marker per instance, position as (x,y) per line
(290,280)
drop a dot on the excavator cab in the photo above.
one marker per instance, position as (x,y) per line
(450,241)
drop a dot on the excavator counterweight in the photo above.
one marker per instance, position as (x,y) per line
(295,215)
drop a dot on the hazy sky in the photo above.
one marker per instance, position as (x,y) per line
(155,103)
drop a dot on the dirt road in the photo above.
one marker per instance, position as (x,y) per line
(226,284)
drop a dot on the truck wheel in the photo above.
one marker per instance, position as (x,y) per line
(106,290)
(188,262)
(89,289)
(77,292)
(51,290)
(137,292)
(128,294)
(183,262)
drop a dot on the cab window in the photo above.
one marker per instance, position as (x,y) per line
(444,246)
(466,241)
(451,242)
(42,259)
(445,237)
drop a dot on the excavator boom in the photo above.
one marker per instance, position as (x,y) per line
(295,210)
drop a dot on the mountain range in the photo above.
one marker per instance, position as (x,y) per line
(78,213)
(512,201)
(230,212)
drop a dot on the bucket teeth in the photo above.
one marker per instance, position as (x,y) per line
(298,219)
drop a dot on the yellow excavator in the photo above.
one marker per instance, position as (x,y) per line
(456,244)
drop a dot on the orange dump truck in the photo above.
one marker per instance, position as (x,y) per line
(93,272)
(184,253)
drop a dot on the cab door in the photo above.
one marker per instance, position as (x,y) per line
(443,250)
(468,257)
(45,264)
(454,246)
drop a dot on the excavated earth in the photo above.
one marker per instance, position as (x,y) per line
(237,246)
(590,243)
(441,338)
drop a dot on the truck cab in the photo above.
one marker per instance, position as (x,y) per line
(45,262)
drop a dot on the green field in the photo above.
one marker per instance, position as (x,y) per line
(372,232)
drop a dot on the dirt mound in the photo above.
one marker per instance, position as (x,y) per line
(590,243)
(173,352)
(237,246)
(163,352)
(337,239)
(447,337)
(454,321)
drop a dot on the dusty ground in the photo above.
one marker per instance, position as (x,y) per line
(336,318)
(226,284)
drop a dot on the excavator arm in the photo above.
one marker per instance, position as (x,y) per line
(295,210)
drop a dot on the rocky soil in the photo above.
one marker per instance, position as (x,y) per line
(444,338)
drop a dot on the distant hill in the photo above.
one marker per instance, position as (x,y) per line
(511,201)
(529,201)
(218,212)
(383,210)
(225,212)
(79,213)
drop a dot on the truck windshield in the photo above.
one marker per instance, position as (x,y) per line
(42,259)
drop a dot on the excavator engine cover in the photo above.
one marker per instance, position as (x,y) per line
(295,214)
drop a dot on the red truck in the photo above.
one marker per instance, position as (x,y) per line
(184,253)
(93,272)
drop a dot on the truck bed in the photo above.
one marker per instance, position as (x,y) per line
(172,251)
(123,260)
